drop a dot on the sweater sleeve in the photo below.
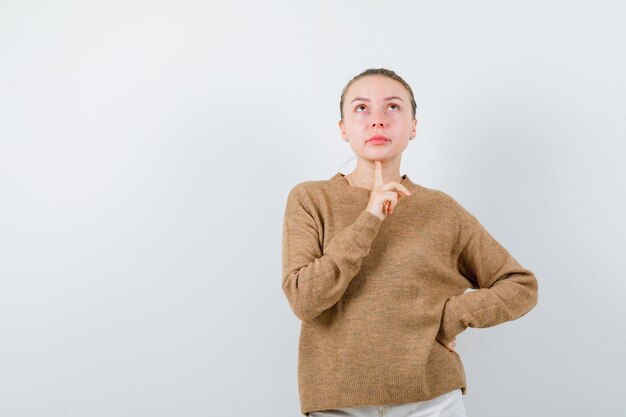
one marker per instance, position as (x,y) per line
(314,279)
(505,289)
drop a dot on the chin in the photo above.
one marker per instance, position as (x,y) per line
(379,154)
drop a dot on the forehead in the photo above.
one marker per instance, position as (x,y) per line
(376,86)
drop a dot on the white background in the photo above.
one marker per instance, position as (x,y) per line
(147,149)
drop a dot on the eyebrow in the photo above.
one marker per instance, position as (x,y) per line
(367,99)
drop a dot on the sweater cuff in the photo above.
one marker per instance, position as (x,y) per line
(367,226)
(451,323)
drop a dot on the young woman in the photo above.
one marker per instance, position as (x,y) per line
(377,267)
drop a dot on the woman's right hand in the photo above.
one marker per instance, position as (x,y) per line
(384,197)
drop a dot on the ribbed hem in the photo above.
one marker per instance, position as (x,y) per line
(377,390)
(331,389)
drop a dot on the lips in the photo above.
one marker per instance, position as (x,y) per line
(378,138)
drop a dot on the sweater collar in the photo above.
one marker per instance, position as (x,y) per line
(342,182)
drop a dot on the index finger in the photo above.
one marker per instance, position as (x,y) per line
(378,180)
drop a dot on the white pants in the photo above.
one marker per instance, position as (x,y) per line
(446,405)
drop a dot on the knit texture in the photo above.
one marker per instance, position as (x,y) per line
(373,295)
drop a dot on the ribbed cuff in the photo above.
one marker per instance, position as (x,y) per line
(367,226)
(451,323)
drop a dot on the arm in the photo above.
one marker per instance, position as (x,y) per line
(506,290)
(312,280)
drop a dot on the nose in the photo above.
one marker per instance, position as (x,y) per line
(378,119)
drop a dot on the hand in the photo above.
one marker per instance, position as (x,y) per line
(384,198)
(451,345)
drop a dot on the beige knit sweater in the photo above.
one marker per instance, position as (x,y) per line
(374,294)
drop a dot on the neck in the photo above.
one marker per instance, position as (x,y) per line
(363,174)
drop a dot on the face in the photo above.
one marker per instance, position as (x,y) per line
(376,105)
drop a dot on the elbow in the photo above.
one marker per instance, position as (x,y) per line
(300,308)
(532,289)
(302,312)
(525,295)
(536,292)
(305,315)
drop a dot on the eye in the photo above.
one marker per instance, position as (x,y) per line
(360,106)
(393,105)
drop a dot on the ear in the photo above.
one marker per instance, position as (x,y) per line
(414,129)
(342,129)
